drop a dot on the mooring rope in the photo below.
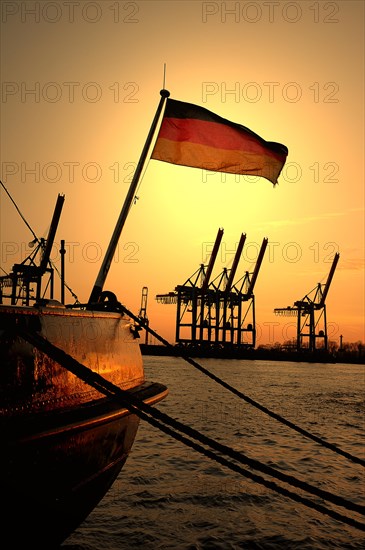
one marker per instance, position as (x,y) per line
(159,420)
(245,397)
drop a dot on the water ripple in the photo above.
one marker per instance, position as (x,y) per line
(170,497)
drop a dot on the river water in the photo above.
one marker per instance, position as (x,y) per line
(168,496)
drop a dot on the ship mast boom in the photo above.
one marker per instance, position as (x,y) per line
(104,269)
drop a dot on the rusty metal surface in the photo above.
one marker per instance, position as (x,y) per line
(57,462)
(63,442)
(29,380)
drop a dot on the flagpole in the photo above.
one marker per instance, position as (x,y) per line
(104,269)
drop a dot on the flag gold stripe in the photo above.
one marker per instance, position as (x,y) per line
(232,161)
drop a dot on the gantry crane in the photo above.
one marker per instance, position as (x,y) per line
(192,299)
(242,293)
(311,314)
(211,313)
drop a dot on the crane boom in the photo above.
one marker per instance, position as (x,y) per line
(212,260)
(257,266)
(235,262)
(52,232)
(329,279)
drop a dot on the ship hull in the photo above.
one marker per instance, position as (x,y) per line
(63,443)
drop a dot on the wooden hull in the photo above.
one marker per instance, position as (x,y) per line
(63,443)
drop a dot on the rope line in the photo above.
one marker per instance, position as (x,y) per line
(20,214)
(159,420)
(248,399)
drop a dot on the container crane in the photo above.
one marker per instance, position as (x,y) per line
(311,314)
(210,313)
(244,294)
(217,299)
(192,299)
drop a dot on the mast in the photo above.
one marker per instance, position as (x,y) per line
(62,254)
(104,269)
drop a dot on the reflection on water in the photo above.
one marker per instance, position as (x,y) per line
(169,496)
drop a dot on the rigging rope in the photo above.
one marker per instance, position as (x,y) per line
(66,285)
(246,398)
(159,420)
(20,214)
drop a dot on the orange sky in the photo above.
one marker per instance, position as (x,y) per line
(80,86)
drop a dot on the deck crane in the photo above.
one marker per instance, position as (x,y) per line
(311,314)
(28,275)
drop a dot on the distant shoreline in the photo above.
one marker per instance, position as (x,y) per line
(252,354)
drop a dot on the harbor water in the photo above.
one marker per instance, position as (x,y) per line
(169,496)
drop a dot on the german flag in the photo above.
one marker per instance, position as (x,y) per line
(193,136)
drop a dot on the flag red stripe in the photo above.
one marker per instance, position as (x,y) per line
(214,134)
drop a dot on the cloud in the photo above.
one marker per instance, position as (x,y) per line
(351,264)
(295,221)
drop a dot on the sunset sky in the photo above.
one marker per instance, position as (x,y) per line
(80,87)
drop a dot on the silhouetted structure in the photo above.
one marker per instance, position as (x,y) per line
(217,313)
(143,311)
(311,315)
(24,283)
